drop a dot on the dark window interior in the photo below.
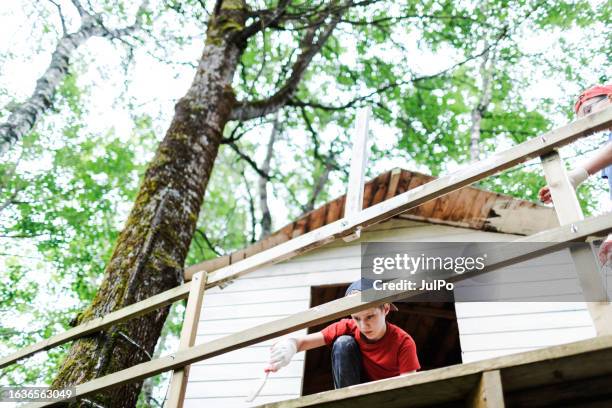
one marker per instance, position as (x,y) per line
(432,325)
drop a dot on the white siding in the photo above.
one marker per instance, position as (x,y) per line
(486,329)
(491,329)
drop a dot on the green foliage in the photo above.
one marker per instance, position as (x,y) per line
(69,203)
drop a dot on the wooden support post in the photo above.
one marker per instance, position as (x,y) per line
(563,194)
(178,384)
(359,160)
(489,392)
(593,286)
(587,266)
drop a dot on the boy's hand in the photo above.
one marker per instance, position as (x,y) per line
(605,251)
(576,177)
(281,354)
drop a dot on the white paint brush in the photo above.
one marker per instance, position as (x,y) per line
(257,390)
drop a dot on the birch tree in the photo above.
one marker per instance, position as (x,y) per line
(23,116)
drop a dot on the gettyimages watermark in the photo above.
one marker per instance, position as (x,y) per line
(483,272)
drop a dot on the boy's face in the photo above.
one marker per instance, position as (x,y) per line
(371,322)
(594,104)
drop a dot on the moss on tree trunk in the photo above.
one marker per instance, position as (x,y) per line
(150,252)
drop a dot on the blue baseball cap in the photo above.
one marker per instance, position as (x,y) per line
(361,285)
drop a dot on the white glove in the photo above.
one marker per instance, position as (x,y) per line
(282,353)
(577,176)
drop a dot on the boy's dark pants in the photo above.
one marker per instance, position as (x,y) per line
(346,362)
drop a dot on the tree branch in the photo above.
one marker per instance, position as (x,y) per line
(310,47)
(251,208)
(11,200)
(265,19)
(263,63)
(315,141)
(328,161)
(207,241)
(318,186)
(77,4)
(314,104)
(262,185)
(250,161)
(61,16)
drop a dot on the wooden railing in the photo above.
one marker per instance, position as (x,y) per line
(573,228)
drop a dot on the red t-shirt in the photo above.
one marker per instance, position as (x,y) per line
(392,355)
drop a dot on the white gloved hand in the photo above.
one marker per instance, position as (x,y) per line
(577,176)
(281,354)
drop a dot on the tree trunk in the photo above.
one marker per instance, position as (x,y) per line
(151,250)
(486,75)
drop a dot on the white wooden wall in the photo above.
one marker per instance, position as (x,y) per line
(486,329)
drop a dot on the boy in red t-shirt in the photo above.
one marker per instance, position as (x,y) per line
(364,347)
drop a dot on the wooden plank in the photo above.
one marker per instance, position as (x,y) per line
(129,312)
(593,226)
(447,393)
(317,218)
(359,159)
(519,372)
(380,193)
(335,210)
(563,194)
(426,209)
(340,308)
(594,288)
(178,383)
(396,174)
(211,264)
(489,392)
(356,183)
(417,196)
(569,211)
(586,393)
(558,370)
(478,212)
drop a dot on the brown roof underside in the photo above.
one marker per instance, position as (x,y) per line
(468,207)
